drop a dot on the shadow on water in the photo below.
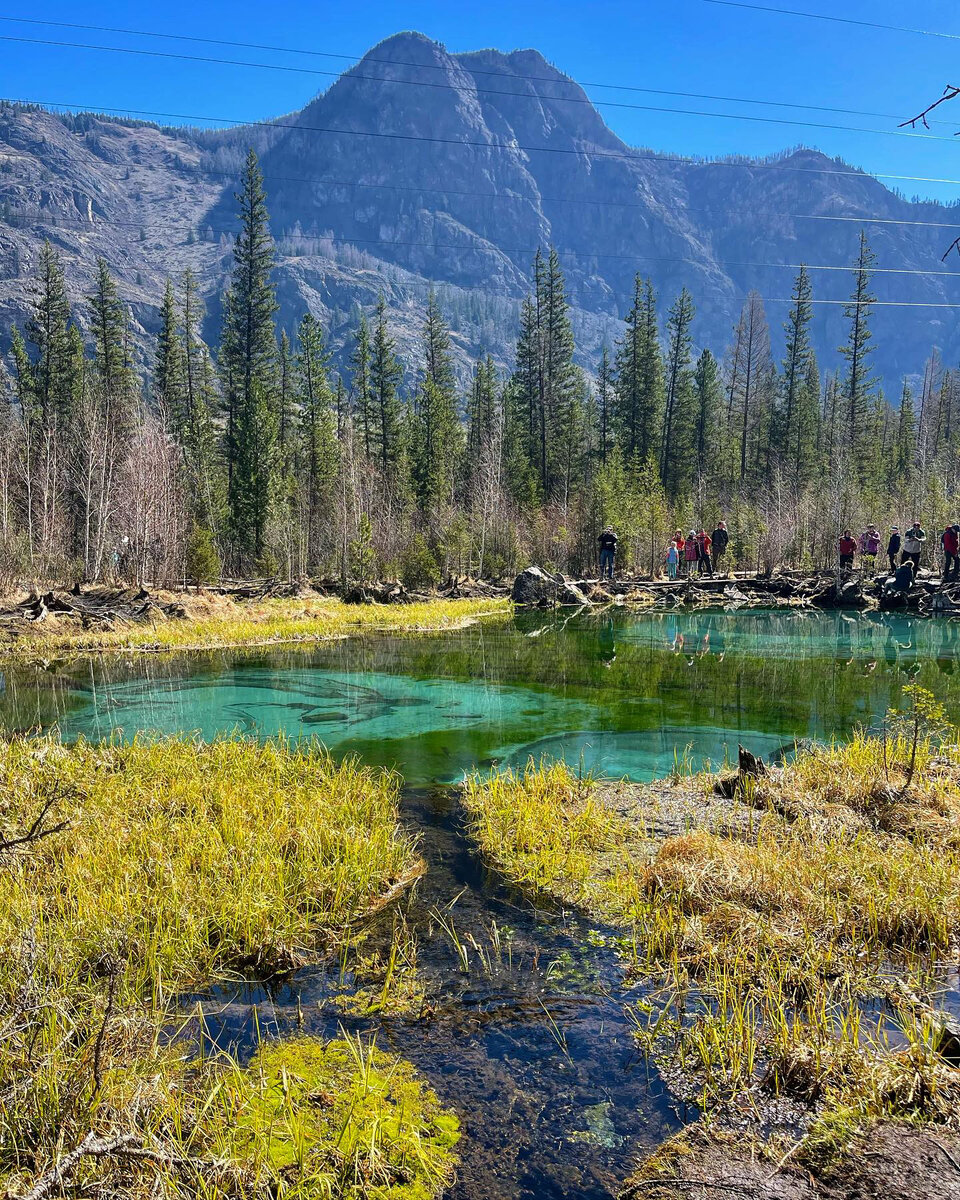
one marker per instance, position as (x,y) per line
(534,1052)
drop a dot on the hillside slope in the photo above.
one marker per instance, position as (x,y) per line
(419,167)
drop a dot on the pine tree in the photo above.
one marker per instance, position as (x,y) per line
(248,363)
(677,462)
(858,384)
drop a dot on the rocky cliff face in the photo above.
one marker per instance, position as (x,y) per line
(419,168)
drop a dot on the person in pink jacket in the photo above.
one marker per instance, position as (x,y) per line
(691,551)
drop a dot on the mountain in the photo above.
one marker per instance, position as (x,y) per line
(422,168)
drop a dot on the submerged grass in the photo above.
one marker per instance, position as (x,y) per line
(166,864)
(775,937)
(212,623)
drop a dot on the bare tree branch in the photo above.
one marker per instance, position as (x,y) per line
(91,1147)
(954,245)
(950,92)
(37,830)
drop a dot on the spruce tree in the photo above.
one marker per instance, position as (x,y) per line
(858,384)
(248,363)
(362,393)
(319,455)
(789,431)
(48,331)
(385,376)
(708,401)
(437,442)
(168,368)
(640,376)
(605,413)
(678,457)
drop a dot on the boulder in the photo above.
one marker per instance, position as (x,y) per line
(535,587)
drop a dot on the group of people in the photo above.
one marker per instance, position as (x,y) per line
(701,550)
(903,552)
(908,547)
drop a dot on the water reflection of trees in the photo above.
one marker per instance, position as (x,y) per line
(785,670)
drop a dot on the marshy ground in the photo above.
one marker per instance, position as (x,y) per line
(799,940)
(240,967)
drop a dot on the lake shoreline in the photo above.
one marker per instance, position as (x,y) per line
(124,621)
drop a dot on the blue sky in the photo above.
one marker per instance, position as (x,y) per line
(678,45)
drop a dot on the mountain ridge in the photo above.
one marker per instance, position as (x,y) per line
(381,181)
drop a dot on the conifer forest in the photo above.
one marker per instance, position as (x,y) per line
(258,456)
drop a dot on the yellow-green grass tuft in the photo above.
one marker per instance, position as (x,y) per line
(179,863)
(260,623)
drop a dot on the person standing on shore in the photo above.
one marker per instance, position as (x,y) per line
(950,541)
(721,539)
(913,545)
(869,547)
(690,552)
(704,546)
(673,560)
(608,551)
(893,547)
(847,548)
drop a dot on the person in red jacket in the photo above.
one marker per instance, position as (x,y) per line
(847,546)
(950,541)
(704,546)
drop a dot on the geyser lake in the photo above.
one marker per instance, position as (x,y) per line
(620,693)
(531,1042)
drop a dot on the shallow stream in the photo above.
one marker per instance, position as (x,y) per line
(527,1036)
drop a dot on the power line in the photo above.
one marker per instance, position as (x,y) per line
(505,250)
(424,189)
(792,12)
(746,165)
(365,58)
(687,112)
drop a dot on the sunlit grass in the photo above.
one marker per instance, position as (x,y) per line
(180,863)
(264,622)
(768,944)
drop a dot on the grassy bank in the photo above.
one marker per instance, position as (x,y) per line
(774,934)
(215,621)
(155,867)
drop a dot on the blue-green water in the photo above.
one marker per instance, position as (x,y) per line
(626,694)
(534,1048)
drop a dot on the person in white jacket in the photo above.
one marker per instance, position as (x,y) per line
(913,541)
